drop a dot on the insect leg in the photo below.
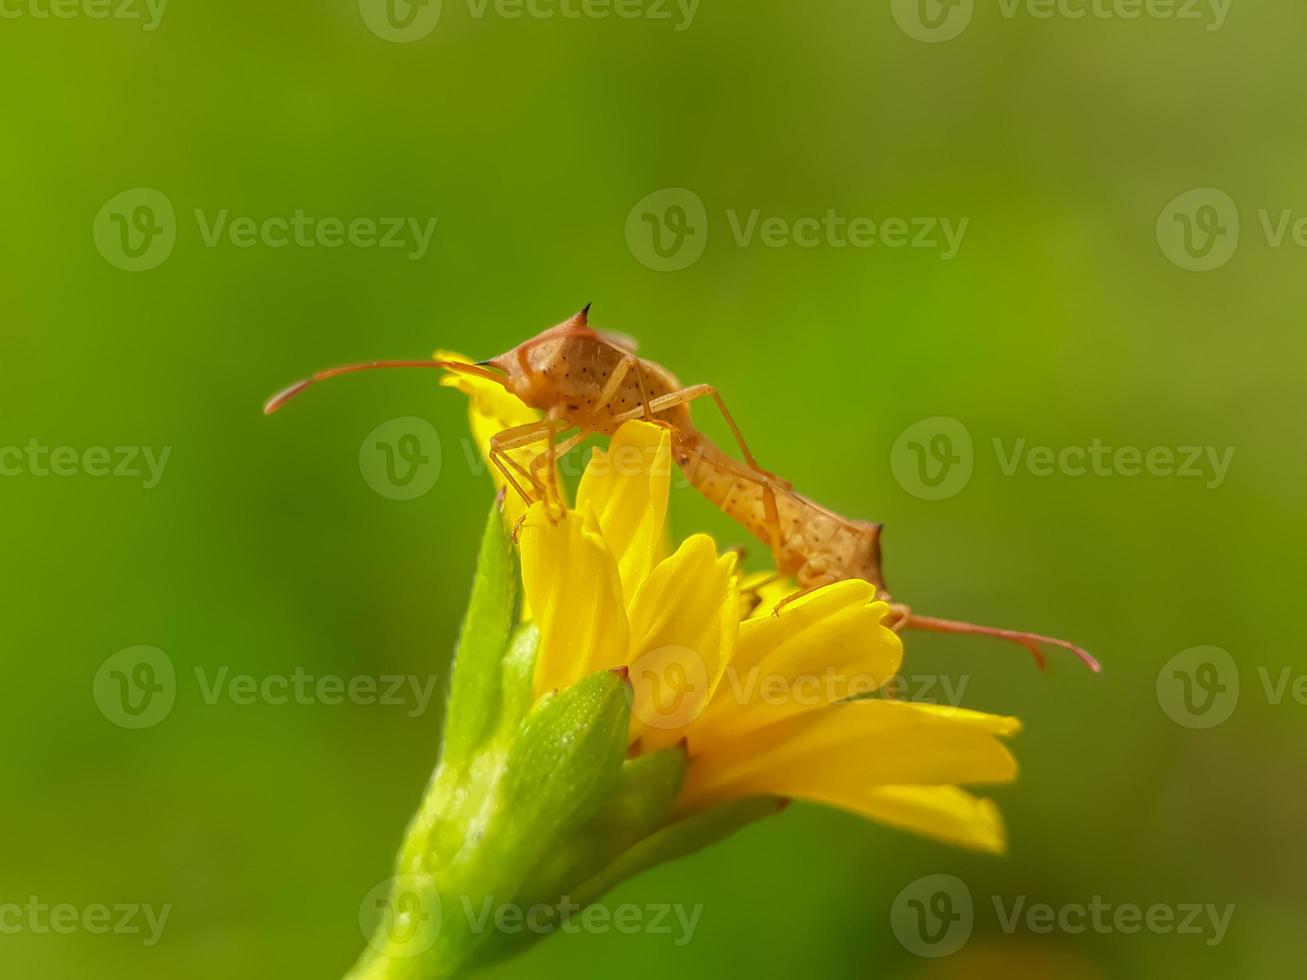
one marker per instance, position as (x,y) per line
(549,459)
(515,438)
(1031,641)
(614,383)
(769,481)
(776,610)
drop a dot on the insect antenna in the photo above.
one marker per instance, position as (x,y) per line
(1031,641)
(282,397)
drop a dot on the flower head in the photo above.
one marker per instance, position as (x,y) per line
(779,705)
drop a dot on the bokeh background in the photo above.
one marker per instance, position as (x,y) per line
(1071,312)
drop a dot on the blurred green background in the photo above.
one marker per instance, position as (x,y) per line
(1064,317)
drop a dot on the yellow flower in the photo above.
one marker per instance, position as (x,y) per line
(770,705)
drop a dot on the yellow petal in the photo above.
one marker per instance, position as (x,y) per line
(825,647)
(945,813)
(684,621)
(626,488)
(570,579)
(841,751)
(491,410)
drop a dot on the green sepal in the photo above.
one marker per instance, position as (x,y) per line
(679,839)
(564,763)
(638,804)
(475,692)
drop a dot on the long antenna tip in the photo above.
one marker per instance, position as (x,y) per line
(282,397)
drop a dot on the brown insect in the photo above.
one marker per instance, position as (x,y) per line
(592,381)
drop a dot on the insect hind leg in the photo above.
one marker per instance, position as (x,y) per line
(1031,641)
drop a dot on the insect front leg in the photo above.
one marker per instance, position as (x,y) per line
(549,460)
(513,471)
